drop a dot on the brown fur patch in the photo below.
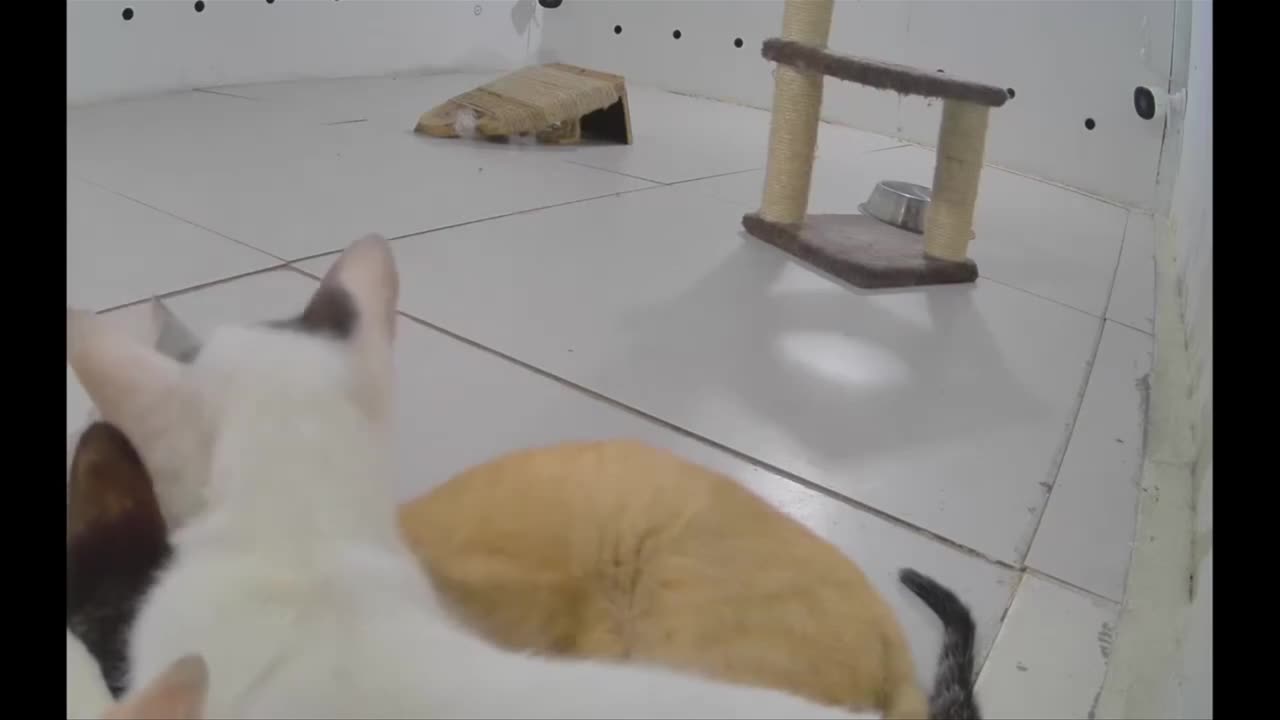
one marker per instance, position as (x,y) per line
(331,312)
(116,542)
(861,250)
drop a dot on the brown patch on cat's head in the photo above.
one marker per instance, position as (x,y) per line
(178,693)
(109,485)
(117,541)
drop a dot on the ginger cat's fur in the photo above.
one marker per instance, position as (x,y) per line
(291,579)
(616,549)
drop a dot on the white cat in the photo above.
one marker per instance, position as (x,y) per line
(293,583)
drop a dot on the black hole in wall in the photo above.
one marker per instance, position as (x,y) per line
(1011,93)
(127,14)
(1089,124)
(271,2)
(1144,102)
(199,5)
(940,70)
(675,34)
(737,42)
(617,29)
(550,4)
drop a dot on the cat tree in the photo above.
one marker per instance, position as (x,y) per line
(860,249)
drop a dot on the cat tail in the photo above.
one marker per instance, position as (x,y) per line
(952,697)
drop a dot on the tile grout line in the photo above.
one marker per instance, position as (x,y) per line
(514,213)
(1061,455)
(657,185)
(1115,272)
(619,173)
(1060,458)
(1054,579)
(195,288)
(208,91)
(1028,571)
(1084,391)
(1004,615)
(403,236)
(175,216)
(1046,298)
(1131,327)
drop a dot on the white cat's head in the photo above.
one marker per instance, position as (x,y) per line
(172,411)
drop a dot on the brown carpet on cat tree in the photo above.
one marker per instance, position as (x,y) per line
(861,250)
(882,75)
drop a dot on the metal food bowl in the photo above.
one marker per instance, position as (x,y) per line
(901,204)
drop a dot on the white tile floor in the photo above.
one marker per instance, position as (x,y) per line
(555,293)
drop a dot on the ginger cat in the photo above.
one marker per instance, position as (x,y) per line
(616,549)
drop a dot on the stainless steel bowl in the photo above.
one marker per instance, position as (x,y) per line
(901,204)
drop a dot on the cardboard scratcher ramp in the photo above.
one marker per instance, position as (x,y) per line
(557,103)
(861,251)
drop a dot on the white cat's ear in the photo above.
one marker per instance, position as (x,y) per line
(172,336)
(365,277)
(178,693)
(366,270)
(131,384)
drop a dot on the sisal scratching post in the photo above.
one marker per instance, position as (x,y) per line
(861,249)
(797,103)
(962,140)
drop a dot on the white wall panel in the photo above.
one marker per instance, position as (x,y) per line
(167,45)
(1067,60)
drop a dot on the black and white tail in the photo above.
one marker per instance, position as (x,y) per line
(952,697)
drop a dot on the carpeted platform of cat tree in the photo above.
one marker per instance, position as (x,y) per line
(861,250)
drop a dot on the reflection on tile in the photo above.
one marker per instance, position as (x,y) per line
(1037,237)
